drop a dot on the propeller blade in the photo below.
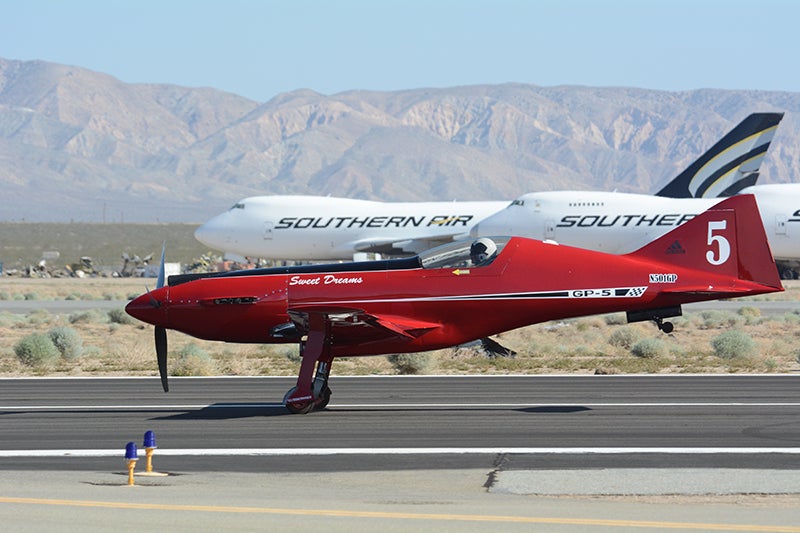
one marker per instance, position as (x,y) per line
(160,282)
(161,355)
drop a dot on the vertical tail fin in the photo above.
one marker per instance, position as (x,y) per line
(730,165)
(728,239)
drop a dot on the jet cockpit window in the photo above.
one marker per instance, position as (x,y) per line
(464,254)
(238,205)
(518,202)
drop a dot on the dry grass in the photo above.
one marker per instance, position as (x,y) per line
(588,345)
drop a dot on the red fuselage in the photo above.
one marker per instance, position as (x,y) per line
(529,282)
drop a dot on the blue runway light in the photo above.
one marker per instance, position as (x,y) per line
(131,456)
(149,439)
(130,452)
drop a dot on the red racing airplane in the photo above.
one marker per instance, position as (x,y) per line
(447,296)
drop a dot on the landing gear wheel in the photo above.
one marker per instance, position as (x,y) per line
(324,399)
(300,408)
(297,408)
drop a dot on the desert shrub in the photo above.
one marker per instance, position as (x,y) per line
(67,341)
(78,296)
(616,319)
(751,315)
(192,350)
(4,296)
(791,319)
(713,319)
(411,363)
(292,354)
(587,324)
(749,310)
(31,296)
(733,344)
(119,316)
(193,361)
(36,350)
(86,317)
(623,337)
(38,317)
(649,348)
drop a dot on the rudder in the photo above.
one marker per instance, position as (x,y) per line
(727,239)
(731,164)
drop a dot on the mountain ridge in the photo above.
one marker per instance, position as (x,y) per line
(80,145)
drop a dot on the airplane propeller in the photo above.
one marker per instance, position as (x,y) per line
(161,355)
(161,332)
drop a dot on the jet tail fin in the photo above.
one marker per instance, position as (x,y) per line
(731,164)
(728,239)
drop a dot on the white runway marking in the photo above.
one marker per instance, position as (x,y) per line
(397,451)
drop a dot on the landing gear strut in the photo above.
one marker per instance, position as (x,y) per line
(310,394)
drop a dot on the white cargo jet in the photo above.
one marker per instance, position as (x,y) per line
(327,228)
(619,223)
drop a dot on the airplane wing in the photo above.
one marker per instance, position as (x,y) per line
(393,246)
(355,326)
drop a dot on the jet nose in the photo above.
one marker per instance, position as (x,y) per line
(150,307)
(498,224)
(213,234)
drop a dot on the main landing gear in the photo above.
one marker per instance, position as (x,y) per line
(315,351)
(320,394)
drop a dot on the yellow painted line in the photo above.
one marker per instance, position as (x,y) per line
(407,516)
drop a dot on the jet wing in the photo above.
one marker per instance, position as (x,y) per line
(390,246)
(354,326)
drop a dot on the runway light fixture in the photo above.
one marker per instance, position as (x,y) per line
(131,456)
(149,446)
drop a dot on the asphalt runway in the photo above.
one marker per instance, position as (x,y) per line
(521,421)
(508,453)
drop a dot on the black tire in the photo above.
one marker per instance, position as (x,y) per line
(297,408)
(324,399)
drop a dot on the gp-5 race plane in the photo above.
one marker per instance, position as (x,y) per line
(459,292)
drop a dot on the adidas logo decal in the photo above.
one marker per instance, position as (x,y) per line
(676,248)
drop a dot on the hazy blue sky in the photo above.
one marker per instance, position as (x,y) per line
(261,48)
